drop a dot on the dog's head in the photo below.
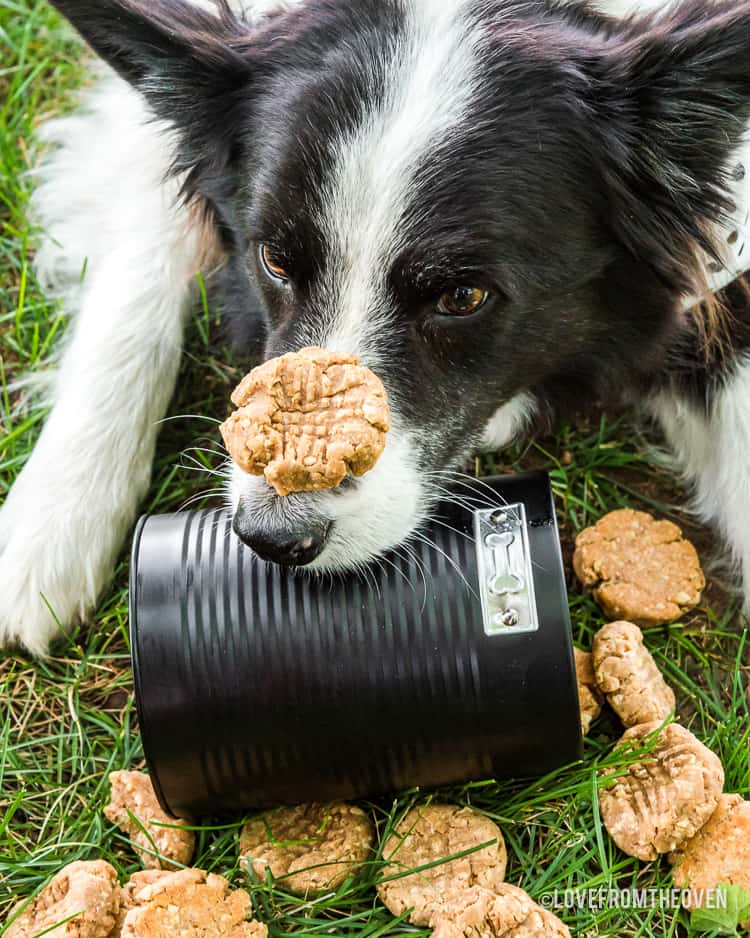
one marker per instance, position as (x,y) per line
(488,201)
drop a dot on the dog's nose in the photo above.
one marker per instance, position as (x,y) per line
(291,547)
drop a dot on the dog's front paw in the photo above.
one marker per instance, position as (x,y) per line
(49,573)
(41,594)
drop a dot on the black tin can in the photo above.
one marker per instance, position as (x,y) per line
(259,685)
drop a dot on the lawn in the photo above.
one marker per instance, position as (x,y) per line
(68,721)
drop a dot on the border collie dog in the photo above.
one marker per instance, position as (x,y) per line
(499,205)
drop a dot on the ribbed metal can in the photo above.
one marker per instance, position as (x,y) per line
(258,685)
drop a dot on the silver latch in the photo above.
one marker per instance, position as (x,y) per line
(505,576)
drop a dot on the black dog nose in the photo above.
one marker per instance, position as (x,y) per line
(291,547)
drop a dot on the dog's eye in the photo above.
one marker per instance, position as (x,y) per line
(271,265)
(462,301)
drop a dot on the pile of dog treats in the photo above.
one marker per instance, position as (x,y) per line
(85,899)
(668,800)
(309,849)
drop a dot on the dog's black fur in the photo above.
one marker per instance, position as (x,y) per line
(580,202)
(579,182)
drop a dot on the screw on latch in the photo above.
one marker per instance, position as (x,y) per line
(508,618)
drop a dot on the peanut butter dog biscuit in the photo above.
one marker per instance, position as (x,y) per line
(718,853)
(665,798)
(307,419)
(627,673)
(89,891)
(590,698)
(188,903)
(507,912)
(310,848)
(639,569)
(431,833)
(133,794)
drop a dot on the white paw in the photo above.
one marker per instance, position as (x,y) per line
(43,588)
(34,608)
(50,570)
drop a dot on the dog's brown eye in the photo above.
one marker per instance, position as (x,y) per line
(462,301)
(273,267)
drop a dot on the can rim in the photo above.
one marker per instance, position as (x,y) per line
(135,661)
(566,605)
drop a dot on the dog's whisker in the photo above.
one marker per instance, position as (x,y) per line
(198,497)
(497,501)
(201,470)
(428,542)
(451,497)
(188,417)
(479,486)
(451,484)
(446,496)
(411,554)
(363,570)
(394,566)
(221,454)
(195,465)
(450,527)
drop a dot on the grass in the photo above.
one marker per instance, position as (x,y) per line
(66,722)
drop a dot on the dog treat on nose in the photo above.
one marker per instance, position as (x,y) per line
(308,419)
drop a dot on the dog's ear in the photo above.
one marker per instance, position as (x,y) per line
(674,93)
(168,49)
(193,65)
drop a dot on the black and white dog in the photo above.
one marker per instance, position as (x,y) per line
(499,205)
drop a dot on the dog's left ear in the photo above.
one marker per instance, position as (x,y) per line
(193,65)
(674,95)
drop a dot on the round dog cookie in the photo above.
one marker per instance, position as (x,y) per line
(310,848)
(308,419)
(507,912)
(133,797)
(590,698)
(663,799)
(718,853)
(188,903)
(639,569)
(431,833)
(628,675)
(88,891)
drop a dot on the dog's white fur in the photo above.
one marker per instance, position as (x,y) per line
(105,207)
(713,452)
(376,163)
(431,84)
